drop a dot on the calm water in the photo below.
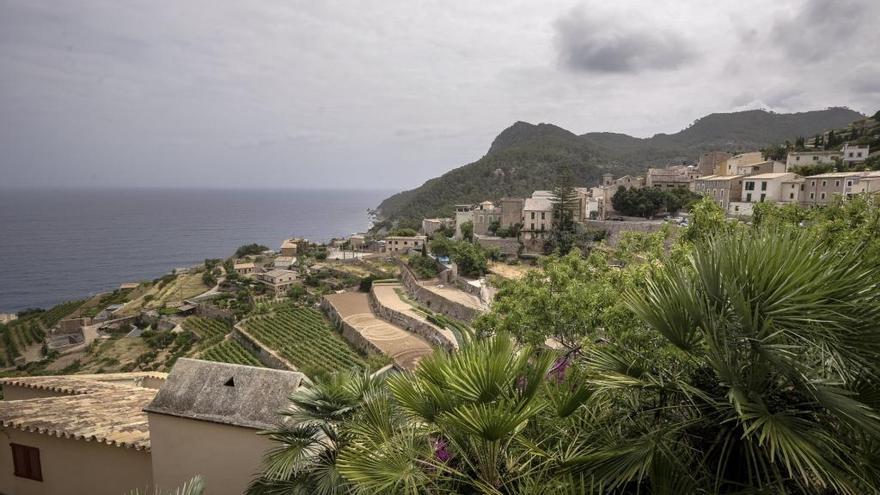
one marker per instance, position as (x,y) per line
(57,245)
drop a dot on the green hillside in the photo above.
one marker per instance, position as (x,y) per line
(525,157)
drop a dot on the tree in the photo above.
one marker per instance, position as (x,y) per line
(799,143)
(494,225)
(782,336)
(404,232)
(775,152)
(565,204)
(470,259)
(307,444)
(250,249)
(876,116)
(467,231)
(441,245)
(643,202)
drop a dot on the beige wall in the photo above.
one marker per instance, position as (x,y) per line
(226,456)
(74,467)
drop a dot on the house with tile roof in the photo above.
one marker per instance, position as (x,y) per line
(109,434)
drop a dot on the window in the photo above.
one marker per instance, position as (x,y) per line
(824,183)
(822,196)
(26,461)
(533,226)
(790,195)
(749,198)
(763,185)
(542,215)
(533,217)
(815,158)
(762,197)
(850,154)
(797,158)
(750,186)
(849,183)
(837,183)
(812,195)
(802,187)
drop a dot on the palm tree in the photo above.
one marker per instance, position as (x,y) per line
(311,434)
(773,385)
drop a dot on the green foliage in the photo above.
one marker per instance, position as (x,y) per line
(250,249)
(404,232)
(229,351)
(467,230)
(707,219)
(195,486)
(441,245)
(302,336)
(647,202)
(470,259)
(423,266)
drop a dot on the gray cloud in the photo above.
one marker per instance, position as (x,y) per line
(317,94)
(819,29)
(589,43)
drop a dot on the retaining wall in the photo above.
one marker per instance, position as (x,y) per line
(409,323)
(434,301)
(268,357)
(614,229)
(348,331)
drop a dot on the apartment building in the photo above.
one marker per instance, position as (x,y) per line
(712,163)
(671,177)
(484,214)
(537,218)
(855,153)
(278,279)
(723,189)
(804,158)
(511,211)
(402,244)
(783,187)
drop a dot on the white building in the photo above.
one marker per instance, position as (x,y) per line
(804,158)
(537,217)
(779,187)
(402,244)
(463,213)
(854,153)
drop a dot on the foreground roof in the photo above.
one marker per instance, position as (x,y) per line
(224,393)
(101,408)
(772,175)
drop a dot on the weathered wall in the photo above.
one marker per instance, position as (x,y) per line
(509,246)
(409,323)
(227,457)
(614,229)
(265,355)
(434,301)
(348,331)
(74,467)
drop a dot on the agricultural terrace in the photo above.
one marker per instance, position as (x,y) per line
(210,331)
(30,330)
(229,351)
(303,337)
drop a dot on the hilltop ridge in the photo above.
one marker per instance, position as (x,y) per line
(525,156)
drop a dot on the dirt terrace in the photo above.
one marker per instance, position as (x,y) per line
(405,348)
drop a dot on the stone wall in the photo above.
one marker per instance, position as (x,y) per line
(614,229)
(509,246)
(433,301)
(267,356)
(410,324)
(347,331)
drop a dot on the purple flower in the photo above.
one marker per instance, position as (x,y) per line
(441,450)
(557,371)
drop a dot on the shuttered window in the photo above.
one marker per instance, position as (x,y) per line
(26,461)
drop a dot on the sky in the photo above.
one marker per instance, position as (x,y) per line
(386,94)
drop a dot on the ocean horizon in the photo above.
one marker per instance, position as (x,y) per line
(60,244)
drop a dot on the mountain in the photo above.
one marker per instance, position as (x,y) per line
(525,157)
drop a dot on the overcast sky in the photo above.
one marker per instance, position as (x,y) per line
(388,93)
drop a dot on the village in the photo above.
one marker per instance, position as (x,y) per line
(160,375)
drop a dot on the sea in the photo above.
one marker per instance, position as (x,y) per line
(58,245)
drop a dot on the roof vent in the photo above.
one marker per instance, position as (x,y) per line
(230,382)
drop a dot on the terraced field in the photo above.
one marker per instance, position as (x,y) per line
(303,337)
(30,330)
(210,330)
(229,351)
